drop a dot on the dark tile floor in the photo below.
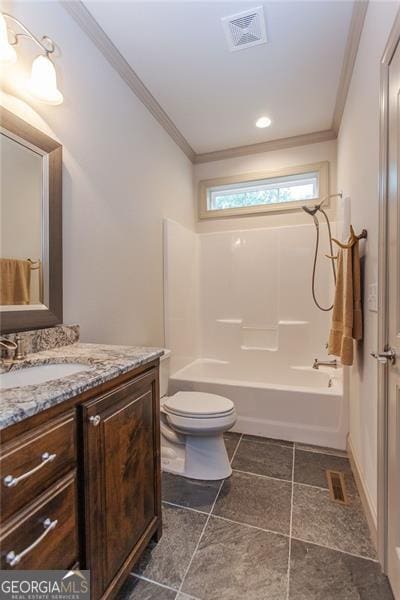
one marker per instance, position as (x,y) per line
(269,532)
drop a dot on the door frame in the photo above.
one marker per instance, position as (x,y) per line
(383,333)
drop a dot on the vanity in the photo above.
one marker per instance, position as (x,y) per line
(80,463)
(79,423)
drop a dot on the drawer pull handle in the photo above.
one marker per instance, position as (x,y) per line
(11,481)
(95,420)
(13,559)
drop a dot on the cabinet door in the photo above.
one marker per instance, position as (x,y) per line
(121,470)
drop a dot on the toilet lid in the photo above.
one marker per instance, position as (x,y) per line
(198,404)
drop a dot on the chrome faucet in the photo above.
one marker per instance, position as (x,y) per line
(329,363)
(9,347)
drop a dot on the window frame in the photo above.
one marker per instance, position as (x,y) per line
(322,168)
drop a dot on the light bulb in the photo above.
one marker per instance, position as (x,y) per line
(42,83)
(263,122)
(7,52)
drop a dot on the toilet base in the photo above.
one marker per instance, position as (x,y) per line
(202,457)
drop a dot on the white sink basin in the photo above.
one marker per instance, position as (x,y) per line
(39,374)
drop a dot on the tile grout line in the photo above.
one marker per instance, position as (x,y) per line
(147,580)
(310,485)
(270,441)
(264,476)
(297,539)
(214,516)
(236,449)
(317,451)
(206,523)
(290,525)
(251,526)
(315,487)
(322,489)
(274,442)
(200,538)
(196,510)
(162,585)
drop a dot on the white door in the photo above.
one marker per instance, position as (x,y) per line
(393,370)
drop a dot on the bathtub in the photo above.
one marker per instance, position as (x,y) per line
(294,403)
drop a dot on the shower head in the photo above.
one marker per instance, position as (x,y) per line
(311,210)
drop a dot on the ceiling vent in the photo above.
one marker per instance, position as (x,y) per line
(245,29)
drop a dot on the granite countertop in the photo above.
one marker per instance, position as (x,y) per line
(105,362)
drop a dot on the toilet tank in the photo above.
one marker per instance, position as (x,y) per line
(164,372)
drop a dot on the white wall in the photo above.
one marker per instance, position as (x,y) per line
(122,174)
(267,161)
(358,167)
(181,293)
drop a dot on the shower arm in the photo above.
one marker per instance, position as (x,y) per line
(326,198)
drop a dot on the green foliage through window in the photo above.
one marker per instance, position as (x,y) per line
(269,191)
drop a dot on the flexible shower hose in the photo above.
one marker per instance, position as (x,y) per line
(316,259)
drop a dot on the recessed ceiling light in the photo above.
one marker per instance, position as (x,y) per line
(263,122)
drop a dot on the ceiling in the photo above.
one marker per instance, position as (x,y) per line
(214,96)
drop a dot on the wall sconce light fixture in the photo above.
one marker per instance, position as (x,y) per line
(42,84)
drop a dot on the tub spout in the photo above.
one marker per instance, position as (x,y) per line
(329,363)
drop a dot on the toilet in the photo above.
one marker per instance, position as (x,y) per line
(192,427)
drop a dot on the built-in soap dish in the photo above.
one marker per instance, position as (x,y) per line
(257,338)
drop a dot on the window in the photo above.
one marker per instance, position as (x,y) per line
(287,189)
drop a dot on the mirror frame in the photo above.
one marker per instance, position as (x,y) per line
(22,320)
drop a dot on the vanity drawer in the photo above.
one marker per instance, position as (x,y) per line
(32,463)
(44,537)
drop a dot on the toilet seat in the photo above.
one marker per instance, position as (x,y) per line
(195,426)
(198,405)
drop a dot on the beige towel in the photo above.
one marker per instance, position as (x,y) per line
(357,308)
(347,312)
(15,281)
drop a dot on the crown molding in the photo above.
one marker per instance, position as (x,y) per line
(90,26)
(360,8)
(280,144)
(78,11)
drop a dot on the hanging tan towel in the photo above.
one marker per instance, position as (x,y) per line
(357,308)
(347,313)
(15,281)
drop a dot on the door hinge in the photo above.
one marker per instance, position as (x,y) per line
(388,356)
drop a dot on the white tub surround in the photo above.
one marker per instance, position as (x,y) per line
(254,330)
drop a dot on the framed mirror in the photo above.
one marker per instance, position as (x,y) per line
(30,226)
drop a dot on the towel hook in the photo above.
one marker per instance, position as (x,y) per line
(353,239)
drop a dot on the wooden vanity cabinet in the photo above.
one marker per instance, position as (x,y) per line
(122,478)
(96,503)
